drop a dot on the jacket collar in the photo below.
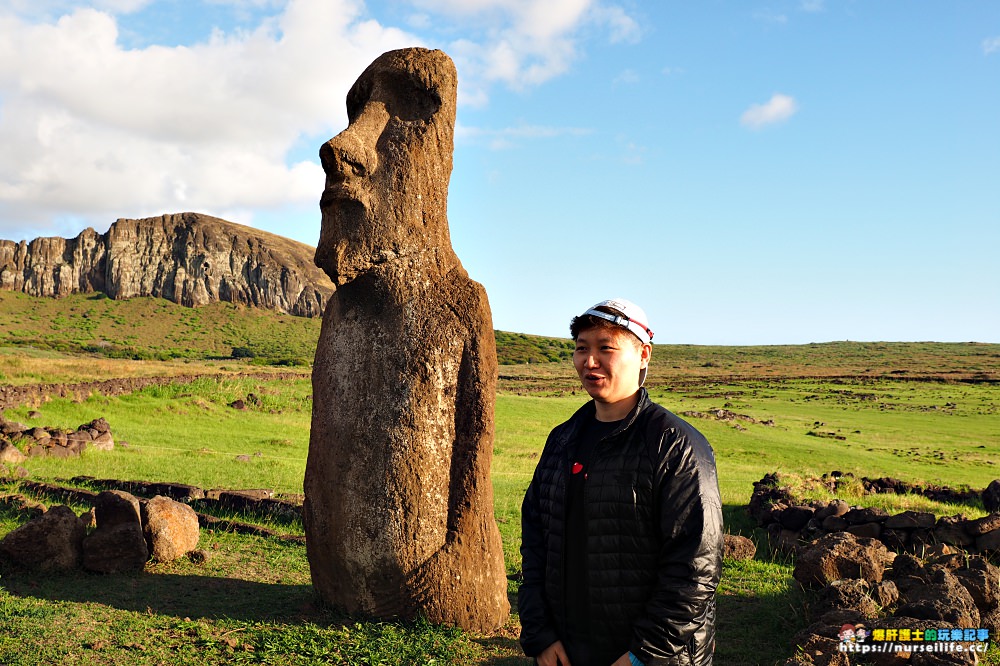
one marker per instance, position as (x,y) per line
(588,410)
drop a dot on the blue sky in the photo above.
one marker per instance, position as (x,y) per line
(749,173)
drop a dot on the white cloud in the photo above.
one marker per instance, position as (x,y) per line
(990,45)
(777,109)
(813,5)
(521,43)
(94,131)
(622,26)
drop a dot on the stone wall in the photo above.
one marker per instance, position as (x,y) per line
(791,523)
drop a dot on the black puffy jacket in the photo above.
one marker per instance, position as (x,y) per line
(654,541)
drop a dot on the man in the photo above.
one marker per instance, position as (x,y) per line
(622,522)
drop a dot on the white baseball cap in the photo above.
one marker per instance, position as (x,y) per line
(630,317)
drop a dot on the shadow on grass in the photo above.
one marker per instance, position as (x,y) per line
(737,521)
(181,596)
(759,605)
(503,644)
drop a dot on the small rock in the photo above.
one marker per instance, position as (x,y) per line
(981,526)
(841,555)
(738,548)
(103,442)
(10,453)
(198,556)
(171,528)
(910,520)
(991,496)
(100,425)
(115,549)
(116,507)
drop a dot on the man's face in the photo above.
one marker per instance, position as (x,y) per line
(608,361)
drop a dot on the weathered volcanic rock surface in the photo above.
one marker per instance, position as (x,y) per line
(188,258)
(398,507)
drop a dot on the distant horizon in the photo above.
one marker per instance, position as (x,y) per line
(785,344)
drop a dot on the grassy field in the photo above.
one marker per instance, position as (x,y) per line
(157,329)
(919,412)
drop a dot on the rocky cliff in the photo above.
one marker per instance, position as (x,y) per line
(188,258)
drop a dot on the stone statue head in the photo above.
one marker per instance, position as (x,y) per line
(387,174)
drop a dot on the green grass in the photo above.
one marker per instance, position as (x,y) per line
(155,328)
(189,431)
(252,602)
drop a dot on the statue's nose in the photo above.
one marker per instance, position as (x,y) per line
(352,152)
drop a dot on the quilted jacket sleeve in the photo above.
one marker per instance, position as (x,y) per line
(678,627)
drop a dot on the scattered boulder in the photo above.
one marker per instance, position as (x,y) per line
(991,620)
(796,517)
(942,598)
(864,584)
(951,529)
(10,453)
(984,525)
(982,580)
(171,528)
(991,496)
(885,594)
(989,542)
(836,507)
(181,492)
(12,428)
(910,520)
(116,507)
(848,594)
(841,555)
(118,543)
(865,515)
(738,547)
(50,542)
(115,549)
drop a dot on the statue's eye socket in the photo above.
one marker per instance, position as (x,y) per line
(405,98)
(357,97)
(415,105)
(410,100)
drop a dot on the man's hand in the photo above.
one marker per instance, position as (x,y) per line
(623,661)
(555,655)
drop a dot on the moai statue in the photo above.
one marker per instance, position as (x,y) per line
(399,503)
